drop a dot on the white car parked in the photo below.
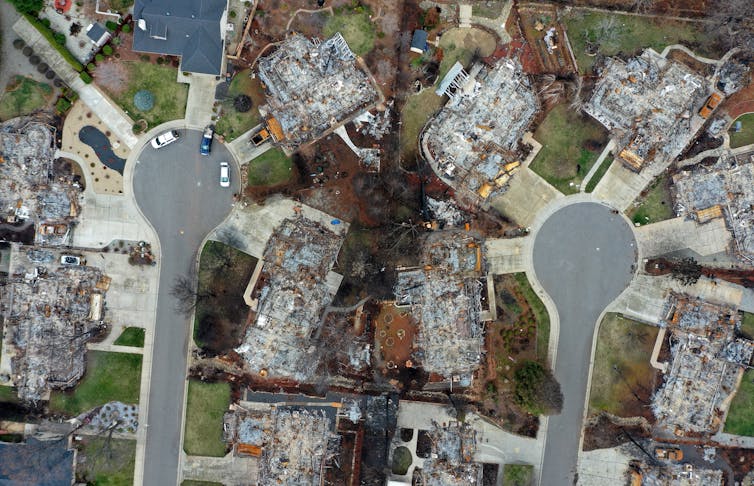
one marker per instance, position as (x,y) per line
(224,174)
(165,139)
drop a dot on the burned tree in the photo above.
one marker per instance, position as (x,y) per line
(686,270)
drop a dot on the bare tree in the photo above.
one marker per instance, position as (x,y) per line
(187,295)
(643,5)
(577,103)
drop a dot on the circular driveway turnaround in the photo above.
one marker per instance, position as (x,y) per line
(179,192)
(584,257)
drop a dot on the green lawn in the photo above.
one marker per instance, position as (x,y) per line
(740,420)
(109,462)
(452,52)
(169,95)
(518,474)
(490,10)
(270,169)
(656,206)
(355,26)
(747,325)
(131,336)
(621,365)
(8,395)
(415,114)
(540,312)
(23,96)
(746,135)
(626,34)
(233,123)
(401,460)
(109,377)
(598,174)
(566,138)
(205,405)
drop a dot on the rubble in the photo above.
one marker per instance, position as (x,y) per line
(50,314)
(313,87)
(294,444)
(290,295)
(445,294)
(674,474)
(29,192)
(473,144)
(651,107)
(445,212)
(451,462)
(724,190)
(708,362)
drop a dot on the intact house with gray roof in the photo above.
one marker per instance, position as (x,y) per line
(191,29)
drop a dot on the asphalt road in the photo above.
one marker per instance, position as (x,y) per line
(583,257)
(179,191)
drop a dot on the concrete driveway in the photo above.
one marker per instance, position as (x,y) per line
(584,256)
(178,190)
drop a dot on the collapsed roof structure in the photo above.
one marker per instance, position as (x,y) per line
(708,362)
(451,462)
(445,295)
(50,314)
(29,194)
(290,295)
(473,143)
(723,190)
(674,475)
(312,88)
(650,106)
(294,444)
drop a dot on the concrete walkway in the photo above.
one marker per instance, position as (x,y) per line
(605,152)
(527,195)
(243,150)
(118,122)
(676,234)
(506,255)
(498,24)
(230,470)
(201,97)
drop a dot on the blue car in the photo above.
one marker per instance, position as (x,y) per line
(204,148)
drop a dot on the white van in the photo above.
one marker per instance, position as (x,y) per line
(165,139)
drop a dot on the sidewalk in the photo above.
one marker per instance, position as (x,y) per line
(118,122)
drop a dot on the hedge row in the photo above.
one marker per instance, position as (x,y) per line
(48,34)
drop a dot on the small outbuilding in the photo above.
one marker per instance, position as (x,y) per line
(419,41)
(97,34)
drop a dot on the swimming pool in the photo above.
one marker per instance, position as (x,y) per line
(99,142)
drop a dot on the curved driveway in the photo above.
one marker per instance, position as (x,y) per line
(584,256)
(178,191)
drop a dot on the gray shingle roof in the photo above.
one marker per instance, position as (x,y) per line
(96,32)
(48,463)
(186,28)
(419,40)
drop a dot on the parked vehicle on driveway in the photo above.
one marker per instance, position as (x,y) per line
(165,139)
(206,145)
(224,174)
